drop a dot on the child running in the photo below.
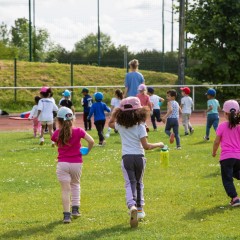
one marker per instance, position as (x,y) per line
(212,112)
(46,107)
(66,102)
(129,120)
(87,102)
(69,167)
(33,115)
(98,108)
(186,106)
(156,102)
(171,118)
(228,136)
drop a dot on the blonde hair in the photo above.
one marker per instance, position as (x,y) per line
(65,132)
(134,64)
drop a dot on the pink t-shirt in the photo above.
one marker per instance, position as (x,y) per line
(230,141)
(71,152)
(144,99)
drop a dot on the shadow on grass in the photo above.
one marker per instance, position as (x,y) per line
(213,174)
(43,229)
(203,214)
(101,233)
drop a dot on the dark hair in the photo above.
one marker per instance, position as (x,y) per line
(45,94)
(233,118)
(130,118)
(119,93)
(65,132)
(50,92)
(36,99)
(172,92)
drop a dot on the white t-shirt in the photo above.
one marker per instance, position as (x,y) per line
(115,102)
(33,112)
(131,143)
(47,107)
(187,104)
(154,99)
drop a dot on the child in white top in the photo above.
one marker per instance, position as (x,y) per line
(129,120)
(46,107)
(33,115)
(155,100)
(186,106)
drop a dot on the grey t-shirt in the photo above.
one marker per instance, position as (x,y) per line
(131,143)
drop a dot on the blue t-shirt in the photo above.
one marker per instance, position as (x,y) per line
(87,103)
(98,109)
(215,104)
(132,81)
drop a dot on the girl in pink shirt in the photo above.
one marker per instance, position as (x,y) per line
(228,136)
(69,167)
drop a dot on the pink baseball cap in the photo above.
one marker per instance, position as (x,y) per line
(44,89)
(142,87)
(130,103)
(230,105)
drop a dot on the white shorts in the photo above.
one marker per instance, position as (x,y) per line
(47,122)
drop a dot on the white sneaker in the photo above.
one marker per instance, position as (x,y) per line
(141,214)
(53,144)
(41,141)
(133,217)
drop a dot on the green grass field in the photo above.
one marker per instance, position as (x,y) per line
(184,201)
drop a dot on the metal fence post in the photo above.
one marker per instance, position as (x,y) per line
(15,79)
(193,95)
(71,65)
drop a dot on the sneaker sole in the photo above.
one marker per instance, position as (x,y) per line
(171,139)
(41,143)
(66,221)
(236,205)
(133,219)
(76,216)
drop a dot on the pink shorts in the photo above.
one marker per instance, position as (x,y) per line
(69,172)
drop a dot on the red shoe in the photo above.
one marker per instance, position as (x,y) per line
(171,138)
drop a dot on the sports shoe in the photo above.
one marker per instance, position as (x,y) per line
(66,217)
(140,214)
(179,148)
(41,141)
(75,212)
(186,134)
(53,144)
(171,138)
(235,203)
(206,138)
(191,130)
(133,217)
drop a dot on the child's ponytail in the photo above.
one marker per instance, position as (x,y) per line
(233,118)
(65,132)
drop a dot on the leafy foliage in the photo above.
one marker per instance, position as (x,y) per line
(215,25)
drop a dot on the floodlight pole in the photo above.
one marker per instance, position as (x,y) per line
(99,40)
(163,37)
(172,29)
(30,31)
(181,53)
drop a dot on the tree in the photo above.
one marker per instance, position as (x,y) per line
(4,34)
(89,45)
(215,25)
(20,39)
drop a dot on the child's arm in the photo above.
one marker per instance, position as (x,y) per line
(91,112)
(149,146)
(90,141)
(216,145)
(169,111)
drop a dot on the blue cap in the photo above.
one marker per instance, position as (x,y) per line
(98,96)
(66,93)
(211,92)
(84,150)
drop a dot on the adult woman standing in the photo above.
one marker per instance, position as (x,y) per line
(133,79)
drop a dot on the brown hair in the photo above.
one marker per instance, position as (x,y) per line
(119,93)
(134,63)
(172,92)
(65,132)
(233,118)
(130,118)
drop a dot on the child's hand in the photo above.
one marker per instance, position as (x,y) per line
(214,154)
(163,119)
(161,144)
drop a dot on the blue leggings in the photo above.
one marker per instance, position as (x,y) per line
(172,123)
(212,120)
